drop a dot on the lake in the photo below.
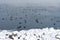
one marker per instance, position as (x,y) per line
(29,17)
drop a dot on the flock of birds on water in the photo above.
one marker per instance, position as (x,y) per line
(25,21)
(26,16)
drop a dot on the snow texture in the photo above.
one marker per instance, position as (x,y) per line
(31,34)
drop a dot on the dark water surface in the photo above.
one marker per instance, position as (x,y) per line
(20,18)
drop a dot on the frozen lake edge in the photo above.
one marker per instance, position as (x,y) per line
(31,34)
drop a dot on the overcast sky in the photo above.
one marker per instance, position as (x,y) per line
(39,2)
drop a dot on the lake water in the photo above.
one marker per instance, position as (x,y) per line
(20,18)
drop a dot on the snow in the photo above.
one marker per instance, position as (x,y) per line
(31,34)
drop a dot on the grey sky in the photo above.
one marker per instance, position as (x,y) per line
(39,2)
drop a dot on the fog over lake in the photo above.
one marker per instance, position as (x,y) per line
(29,14)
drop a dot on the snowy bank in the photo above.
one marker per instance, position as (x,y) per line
(32,34)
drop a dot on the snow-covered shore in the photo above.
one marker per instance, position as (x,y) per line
(31,34)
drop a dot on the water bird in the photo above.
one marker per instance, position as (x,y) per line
(36,20)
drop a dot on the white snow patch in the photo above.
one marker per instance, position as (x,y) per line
(32,34)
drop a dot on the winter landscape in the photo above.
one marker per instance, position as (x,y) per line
(29,20)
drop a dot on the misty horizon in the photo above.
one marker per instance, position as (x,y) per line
(31,2)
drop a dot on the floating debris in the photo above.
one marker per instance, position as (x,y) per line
(24,27)
(53,23)
(25,15)
(39,14)
(19,27)
(41,23)
(45,16)
(25,21)
(2,18)
(51,19)
(11,18)
(20,17)
(19,22)
(16,18)
(37,21)
(58,21)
